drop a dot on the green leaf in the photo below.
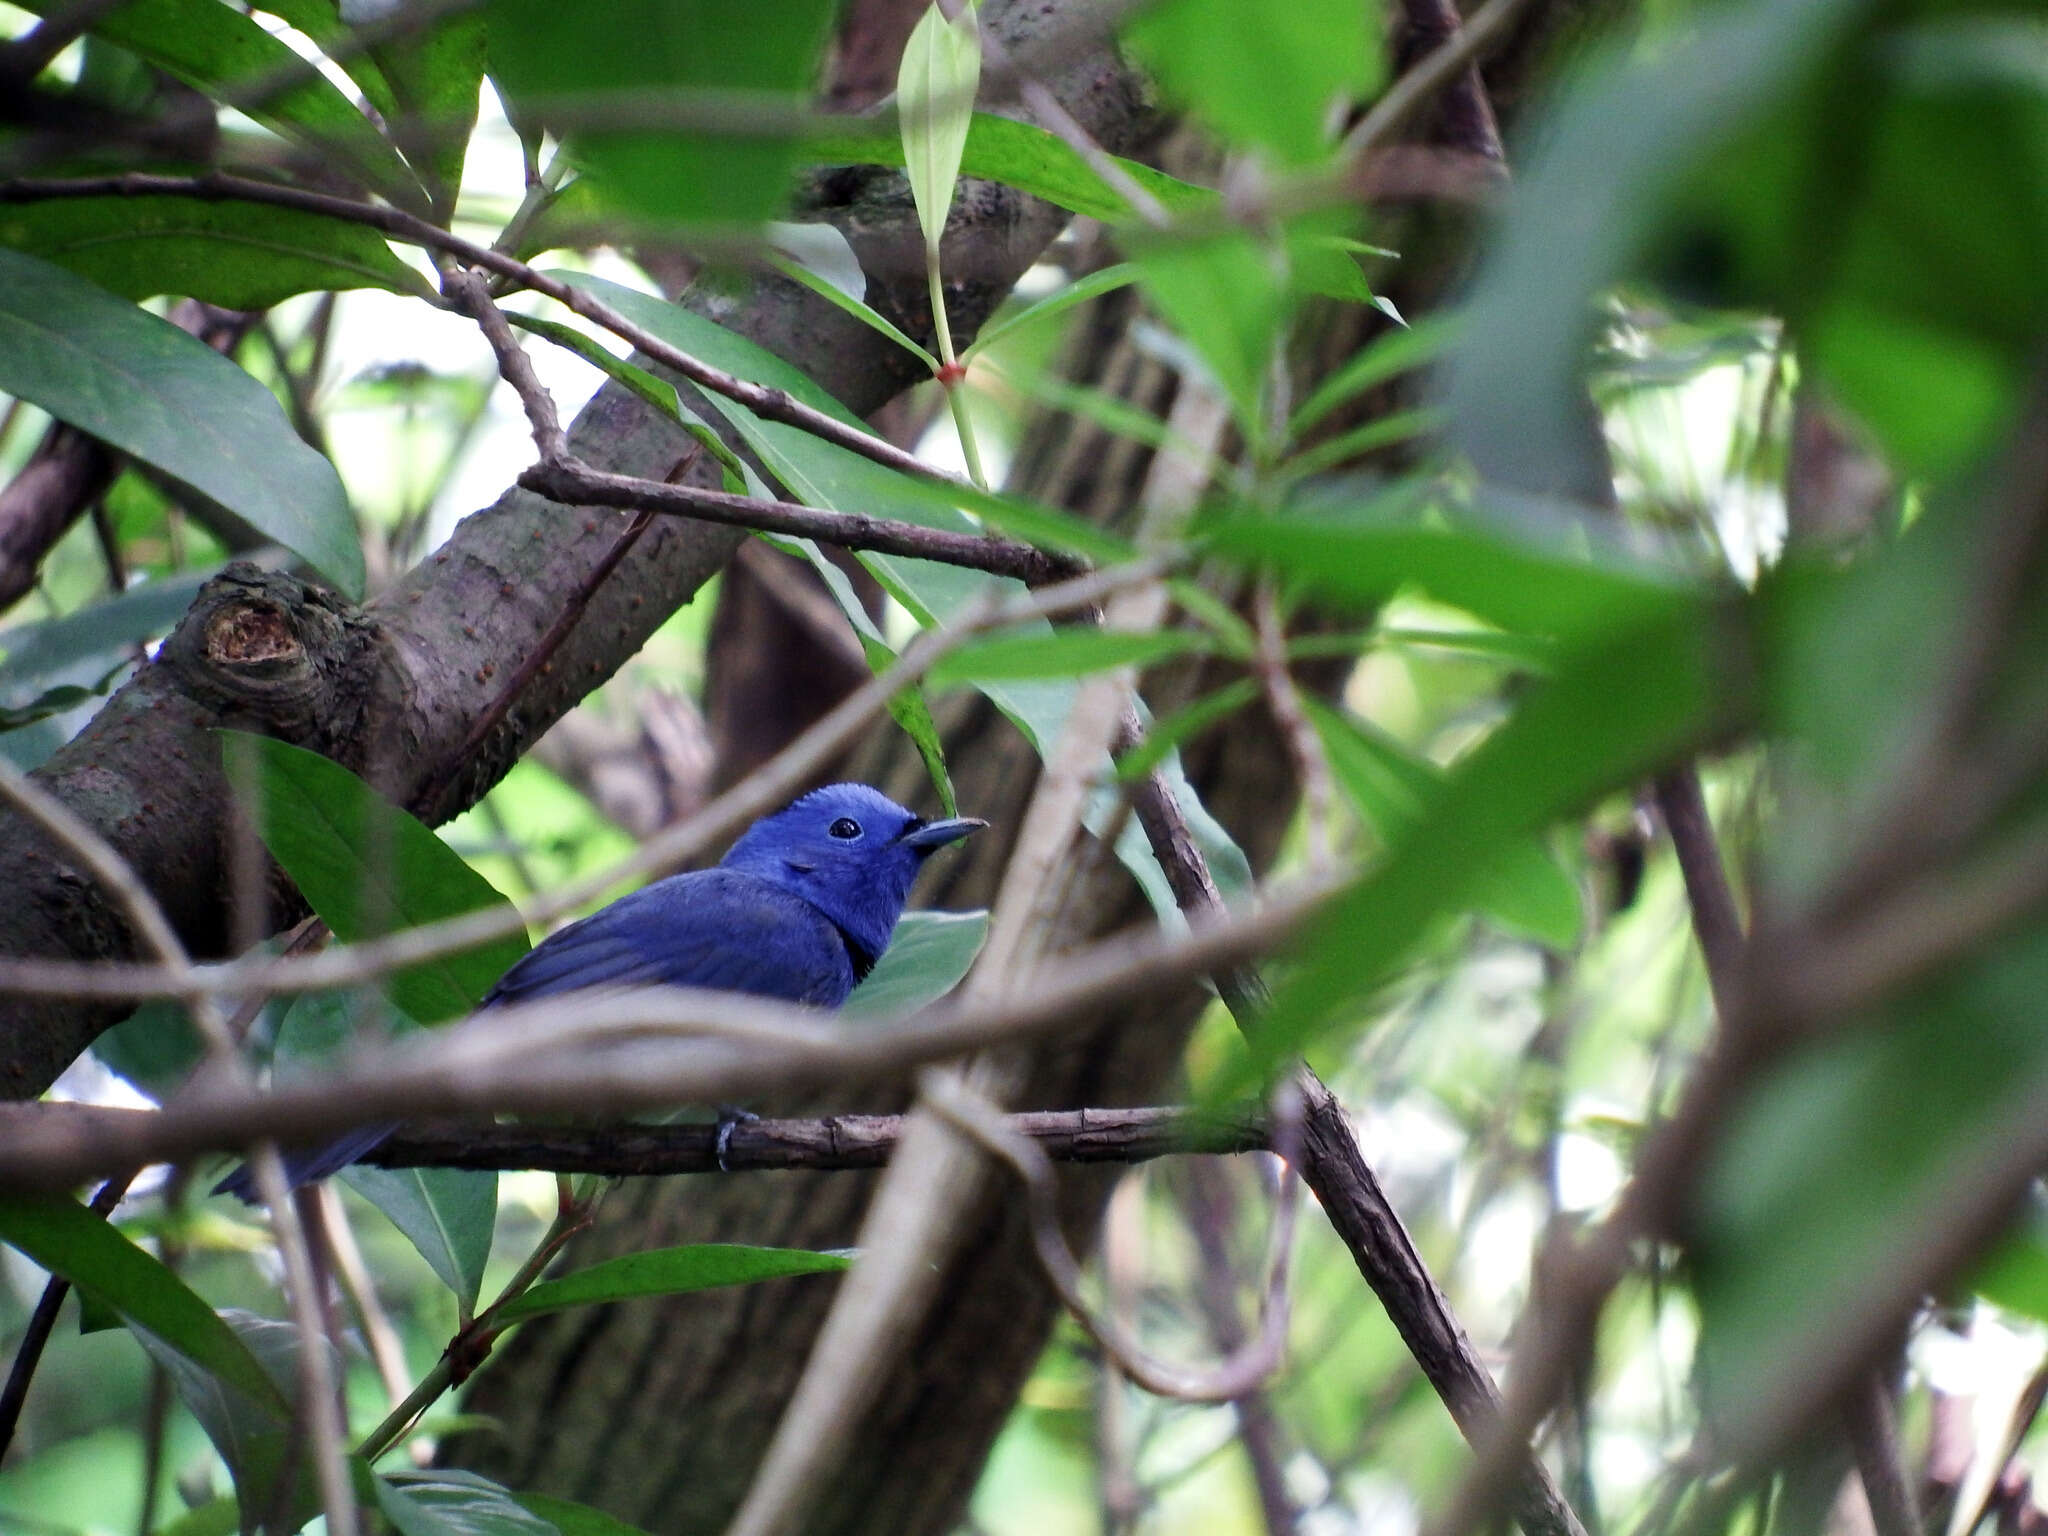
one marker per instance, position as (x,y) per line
(1020,155)
(930,502)
(1582,212)
(95,638)
(445,1502)
(321,21)
(57,700)
(154,1048)
(1264,72)
(368,868)
(1080,291)
(838,298)
(67,1239)
(219,50)
(216,1517)
(927,957)
(255,1442)
(1360,556)
(573,1519)
(1071,652)
(1525,890)
(436,73)
(1228,295)
(736,57)
(669,1272)
(1385,357)
(236,255)
(935,88)
(448,1214)
(1335,452)
(2015,1273)
(150,390)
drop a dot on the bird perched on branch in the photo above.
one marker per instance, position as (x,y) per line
(800,908)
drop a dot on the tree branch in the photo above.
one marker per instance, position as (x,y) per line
(1351,1197)
(575,483)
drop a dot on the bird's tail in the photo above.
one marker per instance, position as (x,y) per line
(310,1165)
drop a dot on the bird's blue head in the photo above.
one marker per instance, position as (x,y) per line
(851,852)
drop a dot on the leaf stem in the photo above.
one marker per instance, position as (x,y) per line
(952,377)
(472,1342)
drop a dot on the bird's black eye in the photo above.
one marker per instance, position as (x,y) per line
(845,827)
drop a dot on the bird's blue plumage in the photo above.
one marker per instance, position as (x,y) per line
(799,908)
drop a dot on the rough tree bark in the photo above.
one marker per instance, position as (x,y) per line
(391,689)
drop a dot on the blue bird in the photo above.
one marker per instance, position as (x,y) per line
(800,908)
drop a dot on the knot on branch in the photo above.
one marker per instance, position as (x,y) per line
(266,651)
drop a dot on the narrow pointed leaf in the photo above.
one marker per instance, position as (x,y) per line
(237,255)
(669,1272)
(448,1214)
(935,99)
(143,385)
(84,1247)
(368,868)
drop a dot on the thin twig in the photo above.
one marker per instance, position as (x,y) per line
(1465,47)
(1247,1367)
(357,1284)
(1344,1185)
(1283,702)
(1716,920)
(575,483)
(30,54)
(466,290)
(832,1143)
(1874,1436)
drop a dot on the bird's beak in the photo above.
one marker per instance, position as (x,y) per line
(936,834)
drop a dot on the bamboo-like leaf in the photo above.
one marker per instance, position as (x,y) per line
(1024,156)
(669,1272)
(1094,285)
(1064,653)
(935,98)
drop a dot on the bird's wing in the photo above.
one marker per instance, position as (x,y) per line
(715,928)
